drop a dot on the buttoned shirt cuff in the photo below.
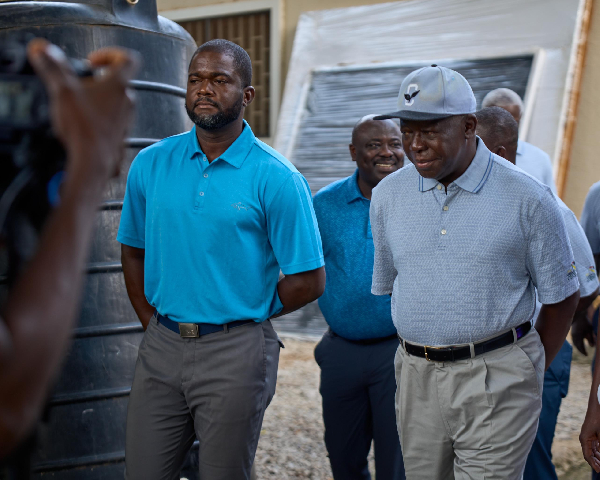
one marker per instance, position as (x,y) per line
(130,241)
(303,267)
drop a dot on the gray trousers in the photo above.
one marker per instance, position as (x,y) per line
(215,388)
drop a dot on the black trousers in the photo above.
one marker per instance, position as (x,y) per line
(358,388)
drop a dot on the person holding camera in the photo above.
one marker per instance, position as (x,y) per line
(90,117)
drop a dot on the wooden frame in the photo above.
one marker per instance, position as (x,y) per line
(568,118)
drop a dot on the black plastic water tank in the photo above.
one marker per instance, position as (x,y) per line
(84,437)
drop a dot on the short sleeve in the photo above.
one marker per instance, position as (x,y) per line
(549,257)
(590,218)
(384,271)
(582,254)
(292,227)
(132,228)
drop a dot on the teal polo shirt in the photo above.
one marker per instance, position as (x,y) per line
(217,234)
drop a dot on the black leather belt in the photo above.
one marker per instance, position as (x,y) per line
(452,353)
(195,330)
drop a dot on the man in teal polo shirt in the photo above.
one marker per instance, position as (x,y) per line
(210,218)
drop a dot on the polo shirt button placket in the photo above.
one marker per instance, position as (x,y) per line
(202,187)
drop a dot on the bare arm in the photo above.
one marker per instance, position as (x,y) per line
(582,328)
(40,309)
(132,260)
(299,289)
(553,324)
(590,430)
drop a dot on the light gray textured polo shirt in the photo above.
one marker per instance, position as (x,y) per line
(582,252)
(463,265)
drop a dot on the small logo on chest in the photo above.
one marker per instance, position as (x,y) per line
(241,206)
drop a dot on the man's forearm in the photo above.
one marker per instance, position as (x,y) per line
(585,302)
(553,325)
(298,290)
(41,308)
(132,260)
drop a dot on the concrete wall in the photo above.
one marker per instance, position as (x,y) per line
(585,153)
(585,161)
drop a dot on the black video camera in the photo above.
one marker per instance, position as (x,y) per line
(32,160)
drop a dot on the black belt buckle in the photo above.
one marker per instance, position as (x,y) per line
(188,330)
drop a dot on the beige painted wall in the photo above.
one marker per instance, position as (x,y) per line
(291,10)
(585,153)
(585,156)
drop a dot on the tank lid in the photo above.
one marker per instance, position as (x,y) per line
(137,13)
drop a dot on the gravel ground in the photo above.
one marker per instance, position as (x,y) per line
(291,443)
(566,450)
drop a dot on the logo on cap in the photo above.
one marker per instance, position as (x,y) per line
(409,98)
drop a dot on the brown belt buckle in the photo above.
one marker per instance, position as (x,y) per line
(188,330)
(432,348)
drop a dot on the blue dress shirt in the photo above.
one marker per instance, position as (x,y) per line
(348,305)
(216,234)
(590,217)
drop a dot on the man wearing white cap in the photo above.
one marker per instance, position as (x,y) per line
(462,239)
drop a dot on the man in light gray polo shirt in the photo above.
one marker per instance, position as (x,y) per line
(530,158)
(462,239)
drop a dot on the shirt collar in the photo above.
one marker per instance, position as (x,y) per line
(352,189)
(474,177)
(234,155)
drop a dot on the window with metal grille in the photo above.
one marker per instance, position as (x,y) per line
(251,32)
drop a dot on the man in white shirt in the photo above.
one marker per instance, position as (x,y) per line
(530,158)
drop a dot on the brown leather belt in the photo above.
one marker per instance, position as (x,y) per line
(453,353)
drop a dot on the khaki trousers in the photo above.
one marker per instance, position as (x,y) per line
(470,419)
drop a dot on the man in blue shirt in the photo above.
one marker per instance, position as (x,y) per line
(530,158)
(210,218)
(356,355)
(590,221)
(590,218)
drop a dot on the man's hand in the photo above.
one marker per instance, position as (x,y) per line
(582,330)
(90,116)
(590,434)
